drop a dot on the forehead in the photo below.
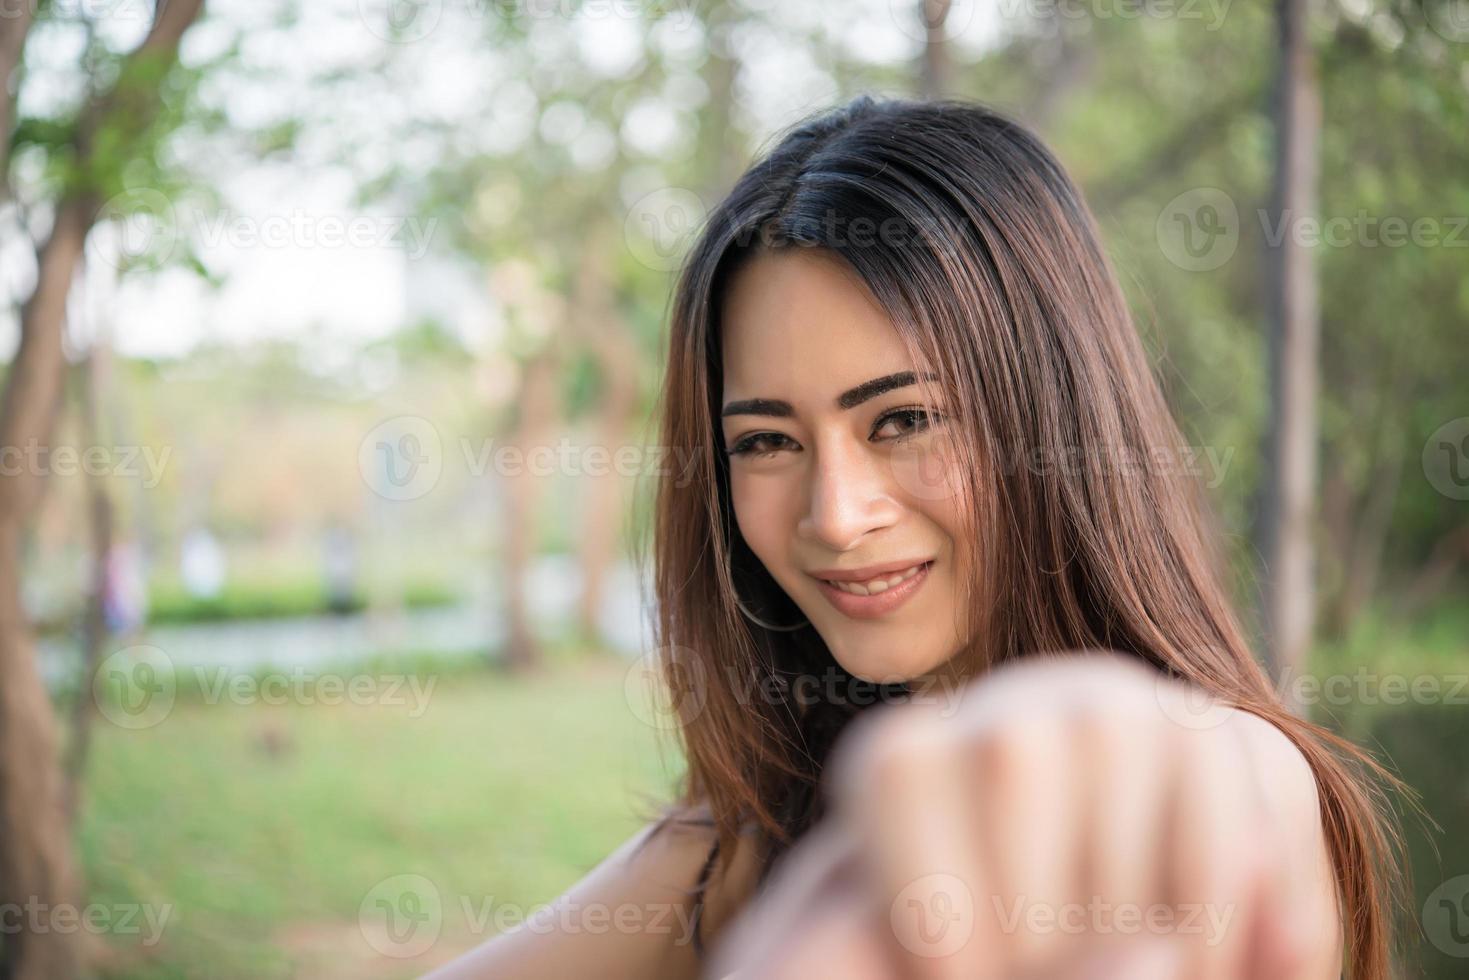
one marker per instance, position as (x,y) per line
(800,320)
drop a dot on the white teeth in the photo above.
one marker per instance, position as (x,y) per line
(875,585)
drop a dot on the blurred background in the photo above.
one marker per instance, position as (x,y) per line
(332,332)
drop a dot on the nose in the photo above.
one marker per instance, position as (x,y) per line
(849,495)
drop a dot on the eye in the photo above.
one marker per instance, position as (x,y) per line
(761,444)
(906,422)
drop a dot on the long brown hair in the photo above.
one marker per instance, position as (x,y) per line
(1094,531)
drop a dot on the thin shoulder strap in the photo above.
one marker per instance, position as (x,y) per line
(701,889)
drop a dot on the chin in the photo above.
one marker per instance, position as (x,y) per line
(879,662)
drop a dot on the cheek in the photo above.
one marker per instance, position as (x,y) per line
(945,514)
(929,477)
(764,515)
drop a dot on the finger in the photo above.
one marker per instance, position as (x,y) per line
(1218,851)
(904,789)
(838,938)
(1296,929)
(1274,951)
(1148,958)
(1030,811)
(1124,769)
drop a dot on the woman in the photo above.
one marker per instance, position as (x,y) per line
(935,476)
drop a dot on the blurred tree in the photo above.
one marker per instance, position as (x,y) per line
(536,426)
(1395,301)
(719,147)
(1177,103)
(113,128)
(91,382)
(596,321)
(602,121)
(1294,325)
(935,68)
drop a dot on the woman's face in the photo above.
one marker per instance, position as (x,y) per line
(839,466)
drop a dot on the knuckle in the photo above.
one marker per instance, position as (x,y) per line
(888,747)
(1015,752)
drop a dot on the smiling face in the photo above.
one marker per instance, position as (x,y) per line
(838,464)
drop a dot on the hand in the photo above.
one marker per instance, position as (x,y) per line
(1078,816)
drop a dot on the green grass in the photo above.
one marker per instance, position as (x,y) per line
(503,789)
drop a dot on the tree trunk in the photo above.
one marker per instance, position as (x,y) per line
(935,66)
(15,24)
(35,846)
(538,414)
(1364,561)
(1294,328)
(720,160)
(36,864)
(1065,65)
(1358,539)
(597,323)
(1436,575)
(91,377)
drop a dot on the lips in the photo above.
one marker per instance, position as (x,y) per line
(877,583)
(866,593)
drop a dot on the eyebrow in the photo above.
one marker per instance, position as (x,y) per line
(850,398)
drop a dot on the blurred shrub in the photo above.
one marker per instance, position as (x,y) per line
(264,600)
(1426,744)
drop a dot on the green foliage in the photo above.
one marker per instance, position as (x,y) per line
(170,603)
(1420,744)
(1163,105)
